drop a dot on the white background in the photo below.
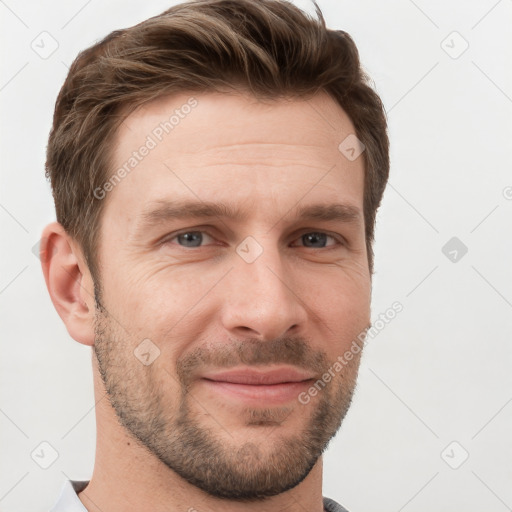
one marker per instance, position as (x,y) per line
(438,373)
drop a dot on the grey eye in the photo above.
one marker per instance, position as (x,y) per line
(318,240)
(190,239)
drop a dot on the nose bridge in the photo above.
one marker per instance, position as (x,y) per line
(261,296)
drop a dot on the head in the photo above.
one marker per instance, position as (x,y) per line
(201,178)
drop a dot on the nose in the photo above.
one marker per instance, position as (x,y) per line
(262,299)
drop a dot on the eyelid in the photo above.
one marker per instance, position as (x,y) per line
(207,230)
(168,239)
(340,239)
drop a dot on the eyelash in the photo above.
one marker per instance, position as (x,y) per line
(340,241)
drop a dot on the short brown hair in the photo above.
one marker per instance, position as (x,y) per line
(268,47)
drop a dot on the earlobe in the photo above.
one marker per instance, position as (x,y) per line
(69,282)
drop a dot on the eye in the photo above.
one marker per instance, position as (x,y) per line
(318,240)
(197,238)
(189,238)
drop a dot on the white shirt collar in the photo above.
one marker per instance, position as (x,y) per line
(68,500)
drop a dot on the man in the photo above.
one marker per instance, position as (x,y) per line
(216,172)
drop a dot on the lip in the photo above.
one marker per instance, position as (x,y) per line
(250,376)
(264,388)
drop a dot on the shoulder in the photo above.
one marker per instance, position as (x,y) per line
(333,506)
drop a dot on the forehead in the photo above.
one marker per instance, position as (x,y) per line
(233,149)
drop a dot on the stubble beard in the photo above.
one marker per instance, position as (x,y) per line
(262,465)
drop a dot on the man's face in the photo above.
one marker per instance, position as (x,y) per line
(215,325)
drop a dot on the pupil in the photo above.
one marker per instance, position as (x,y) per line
(194,237)
(315,237)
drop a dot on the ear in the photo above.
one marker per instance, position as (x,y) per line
(69,282)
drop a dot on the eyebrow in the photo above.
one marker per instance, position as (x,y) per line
(164,211)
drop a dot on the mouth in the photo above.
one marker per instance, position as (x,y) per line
(265,387)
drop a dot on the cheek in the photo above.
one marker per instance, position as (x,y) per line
(161,302)
(337,292)
(151,288)
(340,307)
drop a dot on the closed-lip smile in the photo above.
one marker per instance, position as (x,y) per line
(259,387)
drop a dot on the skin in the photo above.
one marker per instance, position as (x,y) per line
(300,303)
